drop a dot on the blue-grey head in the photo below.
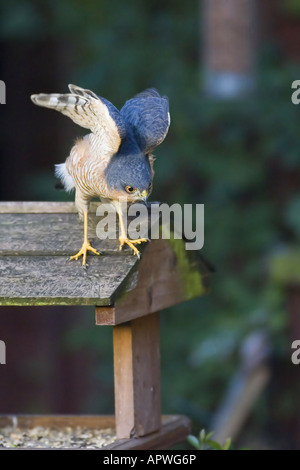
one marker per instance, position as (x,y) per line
(129,176)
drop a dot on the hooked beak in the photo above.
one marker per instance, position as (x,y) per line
(144,195)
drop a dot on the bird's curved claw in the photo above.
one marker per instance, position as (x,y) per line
(131,243)
(86,246)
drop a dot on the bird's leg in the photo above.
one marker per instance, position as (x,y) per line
(125,240)
(86,246)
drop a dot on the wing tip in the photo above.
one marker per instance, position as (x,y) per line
(148,93)
(151,92)
(74,88)
(45,100)
(39,99)
(83,92)
(34,98)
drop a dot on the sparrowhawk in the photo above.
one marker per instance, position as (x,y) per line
(114,161)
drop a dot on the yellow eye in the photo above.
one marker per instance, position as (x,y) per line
(130,189)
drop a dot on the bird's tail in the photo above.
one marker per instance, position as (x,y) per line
(66,179)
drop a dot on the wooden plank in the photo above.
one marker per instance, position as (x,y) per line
(41,207)
(33,250)
(163,278)
(174,430)
(58,421)
(123,380)
(44,207)
(42,280)
(146,374)
(167,274)
(50,234)
(137,377)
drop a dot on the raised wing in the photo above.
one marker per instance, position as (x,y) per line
(90,111)
(147,114)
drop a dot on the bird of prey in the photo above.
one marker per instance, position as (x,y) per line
(114,161)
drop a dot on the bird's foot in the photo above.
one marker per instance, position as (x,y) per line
(86,246)
(131,243)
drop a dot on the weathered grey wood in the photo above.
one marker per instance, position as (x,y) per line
(137,377)
(50,280)
(34,247)
(41,207)
(49,234)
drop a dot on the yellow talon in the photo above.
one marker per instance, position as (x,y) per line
(131,244)
(123,236)
(86,246)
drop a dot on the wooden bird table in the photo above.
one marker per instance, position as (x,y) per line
(36,238)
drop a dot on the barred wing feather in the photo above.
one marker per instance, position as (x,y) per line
(90,111)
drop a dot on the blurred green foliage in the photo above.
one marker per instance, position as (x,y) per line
(292,6)
(240,158)
(204,442)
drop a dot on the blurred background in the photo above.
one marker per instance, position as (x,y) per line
(227,67)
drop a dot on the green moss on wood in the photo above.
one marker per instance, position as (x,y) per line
(42,301)
(189,269)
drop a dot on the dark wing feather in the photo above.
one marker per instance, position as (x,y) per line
(147,114)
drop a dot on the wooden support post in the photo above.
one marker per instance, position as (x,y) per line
(137,377)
